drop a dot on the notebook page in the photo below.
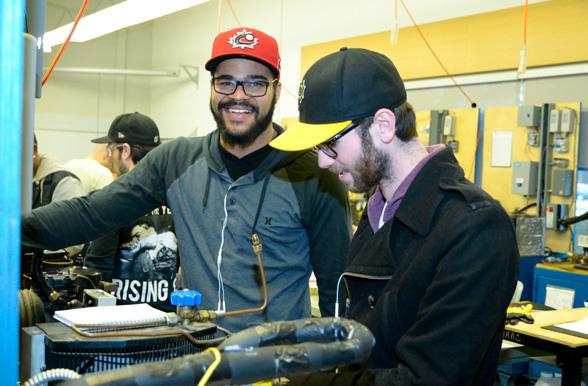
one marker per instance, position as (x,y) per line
(111,315)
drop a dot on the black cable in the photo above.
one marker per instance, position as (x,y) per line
(572,220)
(524,208)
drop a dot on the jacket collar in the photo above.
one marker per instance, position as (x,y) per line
(275,159)
(427,190)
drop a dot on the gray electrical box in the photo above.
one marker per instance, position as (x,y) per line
(561,183)
(529,116)
(530,233)
(524,178)
(568,120)
(555,121)
(436,127)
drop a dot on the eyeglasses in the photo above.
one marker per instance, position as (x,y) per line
(110,148)
(328,147)
(252,88)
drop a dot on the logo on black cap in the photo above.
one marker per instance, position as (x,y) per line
(301,90)
(243,39)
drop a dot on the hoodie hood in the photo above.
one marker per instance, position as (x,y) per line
(47,166)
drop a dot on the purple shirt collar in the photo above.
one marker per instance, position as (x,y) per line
(377,201)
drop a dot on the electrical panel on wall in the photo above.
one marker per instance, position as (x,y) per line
(562,182)
(561,124)
(437,127)
(544,162)
(524,178)
(449,132)
(530,117)
(555,121)
(449,125)
(554,213)
(561,144)
(568,120)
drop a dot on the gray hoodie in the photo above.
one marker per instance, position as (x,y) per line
(68,187)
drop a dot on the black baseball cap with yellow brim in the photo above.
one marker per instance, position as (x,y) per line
(304,136)
(345,86)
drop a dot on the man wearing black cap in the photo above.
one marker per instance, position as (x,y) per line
(142,257)
(130,137)
(224,188)
(433,263)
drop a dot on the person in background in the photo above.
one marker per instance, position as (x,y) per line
(224,188)
(51,183)
(100,154)
(433,264)
(91,170)
(142,257)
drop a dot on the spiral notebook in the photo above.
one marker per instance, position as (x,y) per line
(111,316)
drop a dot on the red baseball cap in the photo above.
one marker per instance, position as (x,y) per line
(245,43)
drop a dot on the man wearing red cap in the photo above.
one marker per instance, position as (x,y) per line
(222,189)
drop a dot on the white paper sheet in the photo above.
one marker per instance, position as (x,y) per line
(501,149)
(577,326)
(559,298)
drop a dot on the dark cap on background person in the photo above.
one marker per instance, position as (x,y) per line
(132,128)
(345,86)
(247,43)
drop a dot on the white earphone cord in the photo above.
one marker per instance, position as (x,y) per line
(337,296)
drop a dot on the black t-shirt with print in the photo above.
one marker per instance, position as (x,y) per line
(142,259)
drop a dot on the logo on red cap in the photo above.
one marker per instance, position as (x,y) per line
(243,39)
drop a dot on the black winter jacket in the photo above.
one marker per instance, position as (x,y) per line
(433,284)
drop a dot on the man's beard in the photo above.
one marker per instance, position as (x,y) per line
(372,166)
(248,136)
(121,167)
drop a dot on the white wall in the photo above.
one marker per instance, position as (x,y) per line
(75,108)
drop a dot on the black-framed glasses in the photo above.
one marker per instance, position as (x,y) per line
(328,147)
(252,87)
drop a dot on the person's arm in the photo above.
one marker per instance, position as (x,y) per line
(82,219)
(101,254)
(69,187)
(329,234)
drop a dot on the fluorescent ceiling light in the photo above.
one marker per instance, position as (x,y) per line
(119,16)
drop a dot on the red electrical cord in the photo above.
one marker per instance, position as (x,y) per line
(65,43)
(473,104)
(526,12)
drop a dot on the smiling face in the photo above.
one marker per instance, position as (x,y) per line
(241,118)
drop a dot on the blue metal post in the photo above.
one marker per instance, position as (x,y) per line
(11,85)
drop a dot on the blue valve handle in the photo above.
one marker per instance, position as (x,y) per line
(186,297)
